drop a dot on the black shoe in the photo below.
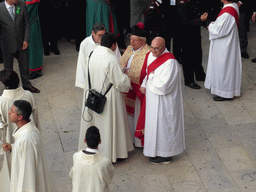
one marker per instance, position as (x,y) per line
(46,52)
(55,50)
(218,98)
(200,78)
(35,75)
(245,55)
(32,89)
(254,60)
(160,160)
(193,85)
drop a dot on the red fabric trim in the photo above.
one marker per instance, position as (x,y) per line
(32,2)
(129,109)
(232,11)
(111,22)
(159,61)
(139,133)
(140,128)
(37,69)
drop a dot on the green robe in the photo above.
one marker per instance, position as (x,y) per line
(35,43)
(100,11)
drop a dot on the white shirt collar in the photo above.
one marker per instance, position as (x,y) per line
(92,41)
(91,150)
(7,5)
(138,49)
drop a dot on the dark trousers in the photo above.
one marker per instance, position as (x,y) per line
(243,28)
(22,57)
(1,56)
(192,60)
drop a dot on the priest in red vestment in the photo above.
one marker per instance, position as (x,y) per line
(162,106)
(132,60)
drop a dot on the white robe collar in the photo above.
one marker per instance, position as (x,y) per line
(14,94)
(29,127)
(89,159)
(92,41)
(234,5)
(91,150)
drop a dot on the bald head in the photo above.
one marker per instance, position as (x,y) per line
(157,46)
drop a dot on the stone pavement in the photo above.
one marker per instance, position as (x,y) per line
(220,151)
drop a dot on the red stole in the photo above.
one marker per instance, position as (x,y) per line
(232,11)
(136,90)
(140,128)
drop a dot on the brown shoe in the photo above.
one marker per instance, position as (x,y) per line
(32,89)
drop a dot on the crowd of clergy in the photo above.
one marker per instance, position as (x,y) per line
(144,105)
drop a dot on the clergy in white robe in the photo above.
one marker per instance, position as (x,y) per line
(164,120)
(86,47)
(224,70)
(104,69)
(28,170)
(11,93)
(91,171)
(133,59)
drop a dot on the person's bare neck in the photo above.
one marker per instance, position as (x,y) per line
(21,123)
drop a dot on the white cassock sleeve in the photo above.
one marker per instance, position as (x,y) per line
(162,81)
(222,27)
(81,67)
(117,53)
(27,171)
(119,80)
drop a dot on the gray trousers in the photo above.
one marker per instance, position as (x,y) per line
(22,57)
(138,7)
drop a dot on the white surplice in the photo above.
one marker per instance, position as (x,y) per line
(6,101)
(91,173)
(112,123)
(86,47)
(29,171)
(224,70)
(164,126)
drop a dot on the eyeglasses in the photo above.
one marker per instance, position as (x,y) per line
(156,48)
(133,39)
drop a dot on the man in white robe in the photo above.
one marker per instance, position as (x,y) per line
(28,170)
(105,69)
(87,46)
(91,171)
(12,92)
(224,70)
(164,121)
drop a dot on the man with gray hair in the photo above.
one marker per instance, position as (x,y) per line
(132,61)
(87,46)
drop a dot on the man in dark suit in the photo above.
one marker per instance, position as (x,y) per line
(14,38)
(190,42)
(245,11)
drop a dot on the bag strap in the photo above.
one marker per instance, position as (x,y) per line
(89,79)
(109,87)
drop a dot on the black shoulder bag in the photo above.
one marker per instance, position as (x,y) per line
(95,100)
